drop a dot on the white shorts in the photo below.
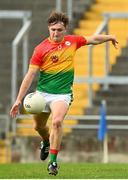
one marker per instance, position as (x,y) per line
(51,98)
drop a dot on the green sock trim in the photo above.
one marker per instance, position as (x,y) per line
(53,157)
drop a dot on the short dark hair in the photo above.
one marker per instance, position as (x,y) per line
(56,17)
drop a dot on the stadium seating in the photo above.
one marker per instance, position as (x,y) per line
(116,95)
(87,26)
(25,127)
(5,152)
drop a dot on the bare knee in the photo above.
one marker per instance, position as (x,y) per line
(57,122)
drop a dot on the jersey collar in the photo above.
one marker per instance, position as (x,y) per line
(53,42)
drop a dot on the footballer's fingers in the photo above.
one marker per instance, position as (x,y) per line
(14,110)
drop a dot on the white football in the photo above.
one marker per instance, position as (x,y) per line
(34,103)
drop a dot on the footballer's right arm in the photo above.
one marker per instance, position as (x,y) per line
(26,83)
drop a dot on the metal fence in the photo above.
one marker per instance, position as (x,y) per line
(25,16)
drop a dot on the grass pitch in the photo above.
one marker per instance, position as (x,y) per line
(66,171)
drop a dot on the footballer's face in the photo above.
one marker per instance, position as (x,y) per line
(57,31)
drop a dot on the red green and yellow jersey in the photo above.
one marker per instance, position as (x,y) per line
(56,64)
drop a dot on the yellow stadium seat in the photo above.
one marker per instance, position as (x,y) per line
(5,152)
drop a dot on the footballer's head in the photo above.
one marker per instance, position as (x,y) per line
(57,25)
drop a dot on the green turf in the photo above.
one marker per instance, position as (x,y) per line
(66,171)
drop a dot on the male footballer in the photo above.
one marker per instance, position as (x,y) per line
(54,59)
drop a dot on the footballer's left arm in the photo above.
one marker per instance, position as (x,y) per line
(99,39)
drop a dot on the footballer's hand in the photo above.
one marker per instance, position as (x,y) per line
(15,109)
(115,42)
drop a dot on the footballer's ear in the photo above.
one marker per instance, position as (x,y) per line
(48,27)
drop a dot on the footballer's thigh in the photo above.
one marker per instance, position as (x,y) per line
(59,110)
(59,107)
(40,120)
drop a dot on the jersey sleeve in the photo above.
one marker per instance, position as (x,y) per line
(81,41)
(36,59)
